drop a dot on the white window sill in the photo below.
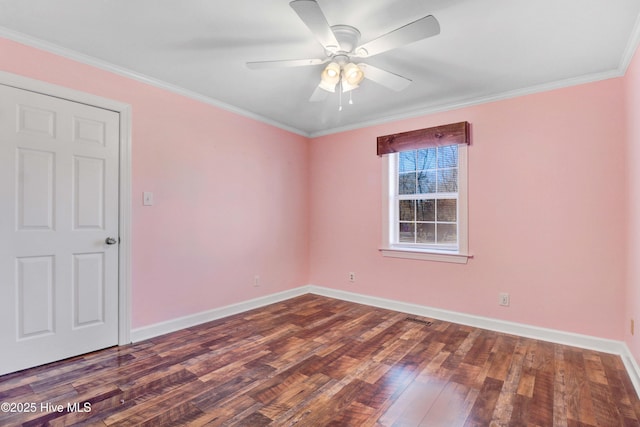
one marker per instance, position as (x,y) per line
(425,255)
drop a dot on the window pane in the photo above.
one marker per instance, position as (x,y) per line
(448,156)
(448,181)
(407,232)
(421,216)
(407,210)
(407,161)
(426,182)
(426,233)
(407,183)
(447,210)
(447,233)
(427,158)
(426,210)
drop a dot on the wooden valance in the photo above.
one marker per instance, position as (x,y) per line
(454,133)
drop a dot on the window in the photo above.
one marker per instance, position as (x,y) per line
(425,203)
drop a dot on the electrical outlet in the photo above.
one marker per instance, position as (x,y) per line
(352,277)
(503,299)
(256,281)
(633,327)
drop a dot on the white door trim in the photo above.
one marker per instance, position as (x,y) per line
(124,215)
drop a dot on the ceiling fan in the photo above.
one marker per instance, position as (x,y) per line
(341,45)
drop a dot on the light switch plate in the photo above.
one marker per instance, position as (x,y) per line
(147,198)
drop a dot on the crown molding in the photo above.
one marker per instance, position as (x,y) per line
(470,102)
(631,48)
(626,58)
(124,72)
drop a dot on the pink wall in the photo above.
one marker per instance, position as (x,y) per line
(230,194)
(547,192)
(632,91)
(235,198)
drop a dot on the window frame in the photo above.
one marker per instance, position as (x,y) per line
(389,246)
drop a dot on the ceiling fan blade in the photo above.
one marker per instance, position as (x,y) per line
(286,63)
(385,78)
(311,14)
(416,30)
(318,95)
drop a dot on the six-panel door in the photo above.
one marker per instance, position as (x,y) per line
(58,205)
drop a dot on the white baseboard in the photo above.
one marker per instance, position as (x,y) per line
(519,329)
(527,331)
(157,329)
(632,367)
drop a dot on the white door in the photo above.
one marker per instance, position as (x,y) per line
(58,207)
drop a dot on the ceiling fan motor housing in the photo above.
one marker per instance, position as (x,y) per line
(347,36)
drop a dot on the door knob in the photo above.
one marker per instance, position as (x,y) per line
(111,241)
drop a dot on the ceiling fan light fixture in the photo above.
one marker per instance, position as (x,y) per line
(331,73)
(352,74)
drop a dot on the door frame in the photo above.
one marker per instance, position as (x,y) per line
(124,186)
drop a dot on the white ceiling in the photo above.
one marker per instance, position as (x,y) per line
(486,50)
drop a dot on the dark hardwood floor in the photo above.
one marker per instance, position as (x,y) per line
(316,361)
